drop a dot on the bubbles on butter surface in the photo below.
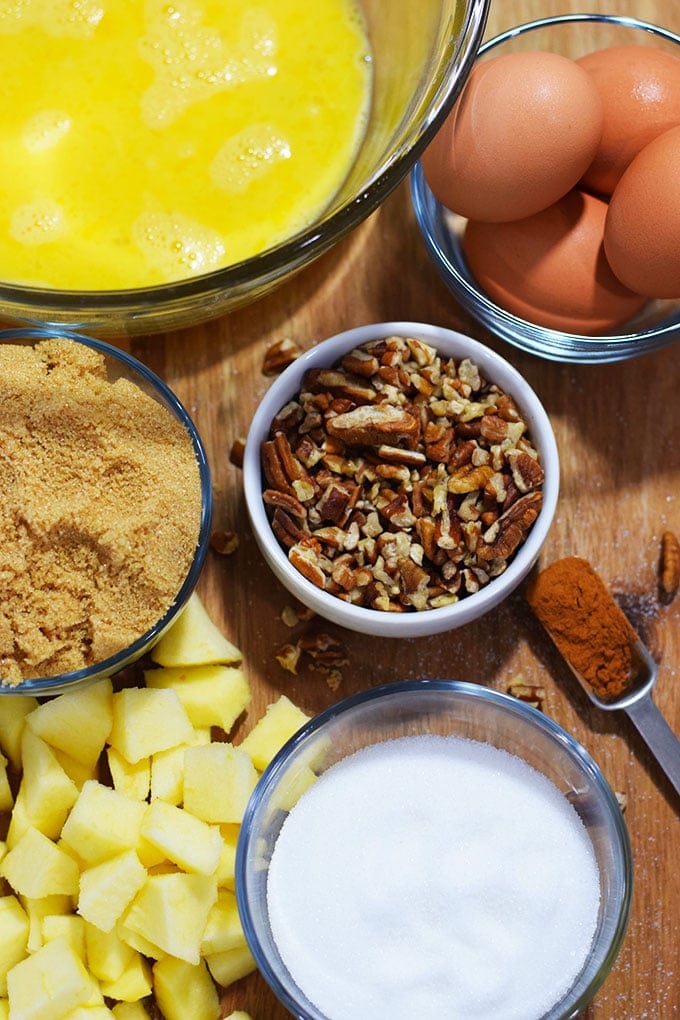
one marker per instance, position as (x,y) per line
(45,130)
(247,156)
(38,222)
(192,62)
(76,19)
(177,246)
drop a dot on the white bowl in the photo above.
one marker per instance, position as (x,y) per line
(428,621)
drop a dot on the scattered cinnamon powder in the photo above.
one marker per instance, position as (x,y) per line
(584,621)
(100,507)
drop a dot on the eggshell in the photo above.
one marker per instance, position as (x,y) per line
(521,134)
(550,268)
(642,229)
(640,91)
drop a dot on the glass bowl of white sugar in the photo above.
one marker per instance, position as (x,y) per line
(433,848)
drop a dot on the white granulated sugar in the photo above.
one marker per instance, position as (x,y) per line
(433,877)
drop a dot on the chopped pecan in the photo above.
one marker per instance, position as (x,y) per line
(224,542)
(375,425)
(511,528)
(532,694)
(280,355)
(669,566)
(237,452)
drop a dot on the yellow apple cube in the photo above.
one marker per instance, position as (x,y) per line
(90,1013)
(223,928)
(171,911)
(49,983)
(38,909)
(49,793)
(4,1009)
(146,721)
(106,889)
(6,798)
(69,927)
(13,712)
(184,839)
(212,695)
(129,1011)
(75,770)
(19,820)
(280,722)
(78,723)
(231,966)
(227,865)
(134,780)
(102,824)
(185,990)
(133,984)
(167,775)
(36,867)
(194,640)
(107,954)
(218,782)
(13,937)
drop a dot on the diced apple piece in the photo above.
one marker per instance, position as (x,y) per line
(227,866)
(194,640)
(185,990)
(19,820)
(212,695)
(13,712)
(78,722)
(69,927)
(167,769)
(191,843)
(90,1013)
(107,954)
(146,721)
(230,966)
(49,983)
(132,780)
(239,1014)
(223,928)
(13,937)
(280,722)
(106,889)
(36,867)
(4,1009)
(133,984)
(102,823)
(38,909)
(48,791)
(6,798)
(171,911)
(129,1011)
(218,782)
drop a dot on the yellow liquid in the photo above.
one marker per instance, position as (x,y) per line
(145,141)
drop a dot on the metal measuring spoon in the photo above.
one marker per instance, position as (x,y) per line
(636,701)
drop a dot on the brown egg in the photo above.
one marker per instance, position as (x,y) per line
(520,136)
(642,229)
(640,90)
(550,268)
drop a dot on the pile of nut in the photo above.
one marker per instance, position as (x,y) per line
(399,480)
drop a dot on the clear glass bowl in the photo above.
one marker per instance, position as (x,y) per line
(659,322)
(422,54)
(119,364)
(441,707)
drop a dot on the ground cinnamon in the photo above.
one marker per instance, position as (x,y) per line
(100,507)
(584,621)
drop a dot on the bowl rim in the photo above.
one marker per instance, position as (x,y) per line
(466,690)
(294,252)
(100,670)
(364,619)
(523,334)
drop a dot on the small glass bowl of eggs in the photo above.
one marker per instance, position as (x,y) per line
(549,201)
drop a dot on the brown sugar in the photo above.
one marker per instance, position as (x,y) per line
(100,508)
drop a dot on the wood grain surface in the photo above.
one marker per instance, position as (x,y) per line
(618,431)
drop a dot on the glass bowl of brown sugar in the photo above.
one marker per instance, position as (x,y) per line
(105,514)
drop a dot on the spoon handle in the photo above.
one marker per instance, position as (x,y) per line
(660,738)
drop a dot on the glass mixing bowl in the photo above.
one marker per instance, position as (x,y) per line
(422,54)
(443,707)
(658,324)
